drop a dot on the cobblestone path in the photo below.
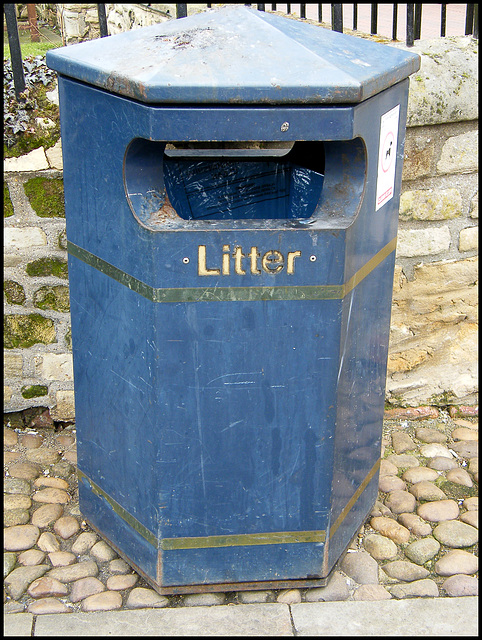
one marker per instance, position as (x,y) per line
(421,539)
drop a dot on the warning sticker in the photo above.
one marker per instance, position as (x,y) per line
(387,156)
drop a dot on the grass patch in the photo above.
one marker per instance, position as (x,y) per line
(31,49)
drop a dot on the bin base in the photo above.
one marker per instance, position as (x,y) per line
(216,587)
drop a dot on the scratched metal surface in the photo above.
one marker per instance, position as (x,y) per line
(236,55)
(253,406)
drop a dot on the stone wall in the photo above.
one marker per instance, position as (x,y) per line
(433,346)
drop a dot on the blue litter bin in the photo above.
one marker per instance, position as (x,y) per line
(232,186)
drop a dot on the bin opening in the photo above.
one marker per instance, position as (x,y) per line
(233,181)
(170,181)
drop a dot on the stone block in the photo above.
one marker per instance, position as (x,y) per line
(24,238)
(55,298)
(23,331)
(433,340)
(460,154)
(65,409)
(428,204)
(443,89)
(469,239)
(474,207)
(418,154)
(33,161)
(54,155)
(55,366)
(12,365)
(422,242)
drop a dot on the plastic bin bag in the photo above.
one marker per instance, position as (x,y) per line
(241,189)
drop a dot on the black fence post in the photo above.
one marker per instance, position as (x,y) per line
(469,19)
(337,17)
(443,19)
(181,10)
(417,22)
(410,12)
(374,19)
(395,22)
(15,51)
(102,20)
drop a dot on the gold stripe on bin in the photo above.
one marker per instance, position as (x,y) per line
(205,542)
(243,540)
(120,511)
(231,294)
(354,498)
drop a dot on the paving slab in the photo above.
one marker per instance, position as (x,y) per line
(17,624)
(414,617)
(224,620)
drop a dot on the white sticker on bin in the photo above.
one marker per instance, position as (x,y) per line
(387,156)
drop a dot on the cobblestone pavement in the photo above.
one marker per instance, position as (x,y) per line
(421,539)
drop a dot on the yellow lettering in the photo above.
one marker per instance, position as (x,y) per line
(201,265)
(272,258)
(238,256)
(271,262)
(226,258)
(290,266)
(254,255)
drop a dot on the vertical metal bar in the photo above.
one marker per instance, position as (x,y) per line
(320,13)
(260,7)
(355,16)
(374,19)
(443,19)
(15,51)
(395,22)
(337,17)
(476,21)
(469,19)
(288,8)
(410,25)
(32,21)
(181,10)
(417,27)
(273,7)
(102,20)
(303,11)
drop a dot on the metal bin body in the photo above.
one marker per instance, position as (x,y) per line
(230,371)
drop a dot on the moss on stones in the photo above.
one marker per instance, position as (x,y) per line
(48,267)
(54,298)
(34,391)
(7,203)
(14,292)
(23,331)
(455,491)
(46,195)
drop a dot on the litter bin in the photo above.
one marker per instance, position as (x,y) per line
(232,186)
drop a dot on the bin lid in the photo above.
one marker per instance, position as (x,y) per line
(236,55)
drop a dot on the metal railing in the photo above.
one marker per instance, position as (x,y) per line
(413,17)
(335,16)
